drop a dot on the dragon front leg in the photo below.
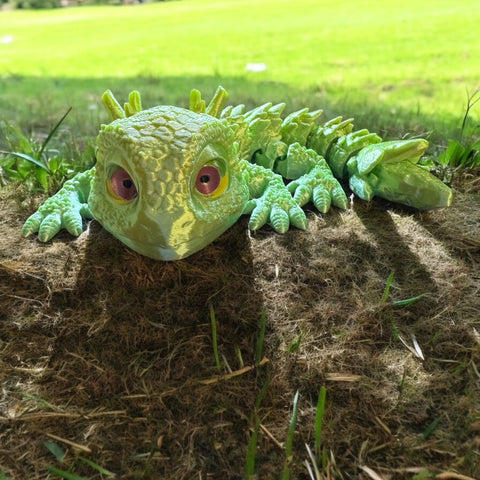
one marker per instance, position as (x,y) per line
(64,210)
(312,179)
(270,201)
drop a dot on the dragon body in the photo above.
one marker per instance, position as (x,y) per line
(168,180)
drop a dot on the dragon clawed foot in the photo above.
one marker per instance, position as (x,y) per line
(277,213)
(274,205)
(49,221)
(64,210)
(320,187)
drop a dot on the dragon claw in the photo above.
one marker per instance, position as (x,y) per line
(64,210)
(321,199)
(32,224)
(259,214)
(49,222)
(279,215)
(272,203)
(72,220)
(279,219)
(298,218)
(301,193)
(49,227)
(319,186)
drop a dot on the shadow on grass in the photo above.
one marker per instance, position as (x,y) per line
(397,255)
(37,102)
(131,366)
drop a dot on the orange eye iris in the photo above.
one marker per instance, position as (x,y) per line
(123,186)
(208,180)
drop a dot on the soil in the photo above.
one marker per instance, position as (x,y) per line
(107,358)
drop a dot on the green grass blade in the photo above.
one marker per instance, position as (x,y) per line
(471,101)
(469,159)
(52,133)
(424,474)
(252,448)
(408,301)
(96,467)
(58,452)
(261,338)
(213,322)
(295,345)
(431,428)
(30,159)
(386,292)
(289,442)
(322,397)
(42,176)
(259,399)
(475,145)
(64,474)
(452,155)
(252,444)
(239,356)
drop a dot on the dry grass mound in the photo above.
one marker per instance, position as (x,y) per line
(110,356)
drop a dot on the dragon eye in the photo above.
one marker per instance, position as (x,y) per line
(122,185)
(208,180)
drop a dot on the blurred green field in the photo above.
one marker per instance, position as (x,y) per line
(393,65)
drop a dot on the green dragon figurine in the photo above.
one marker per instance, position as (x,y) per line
(168,180)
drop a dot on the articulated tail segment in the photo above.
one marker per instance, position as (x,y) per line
(374,168)
(336,141)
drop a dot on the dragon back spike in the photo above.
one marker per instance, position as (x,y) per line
(197,104)
(217,103)
(112,106)
(322,136)
(297,126)
(134,104)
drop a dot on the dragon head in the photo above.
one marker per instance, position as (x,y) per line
(168,180)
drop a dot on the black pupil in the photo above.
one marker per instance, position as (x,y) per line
(205,178)
(127,183)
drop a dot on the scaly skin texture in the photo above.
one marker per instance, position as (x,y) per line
(168,180)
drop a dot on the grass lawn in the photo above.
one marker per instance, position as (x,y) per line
(389,64)
(113,365)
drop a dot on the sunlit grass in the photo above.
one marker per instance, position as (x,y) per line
(413,56)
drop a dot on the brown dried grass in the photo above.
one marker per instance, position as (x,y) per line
(109,354)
